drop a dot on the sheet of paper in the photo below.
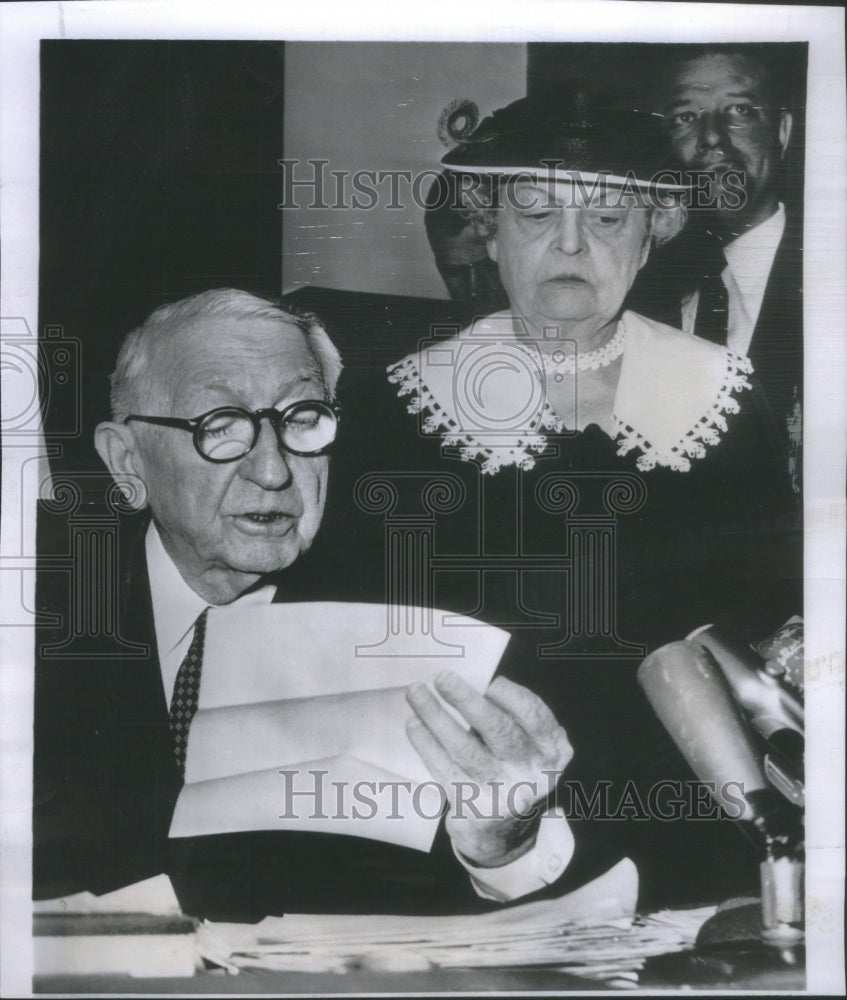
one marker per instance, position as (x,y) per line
(154,895)
(334,795)
(366,724)
(292,689)
(281,651)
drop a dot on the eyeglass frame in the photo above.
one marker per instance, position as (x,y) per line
(274,416)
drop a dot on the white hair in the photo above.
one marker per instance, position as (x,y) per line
(131,380)
(482,205)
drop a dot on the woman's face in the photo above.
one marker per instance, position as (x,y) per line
(566,265)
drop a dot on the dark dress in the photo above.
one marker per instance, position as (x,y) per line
(589,563)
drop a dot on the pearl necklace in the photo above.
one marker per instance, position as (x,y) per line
(559,363)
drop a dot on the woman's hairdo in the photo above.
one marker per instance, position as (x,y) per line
(133,386)
(482,201)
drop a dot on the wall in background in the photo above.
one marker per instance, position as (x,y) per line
(159,179)
(375,106)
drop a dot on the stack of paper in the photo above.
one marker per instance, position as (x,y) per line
(138,930)
(591,933)
(686,922)
(301,719)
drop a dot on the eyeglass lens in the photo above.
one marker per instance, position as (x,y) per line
(229,434)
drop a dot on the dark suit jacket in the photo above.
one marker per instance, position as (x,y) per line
(106,784)
(776,348)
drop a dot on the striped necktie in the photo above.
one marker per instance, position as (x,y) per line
(712,317)
(186,691)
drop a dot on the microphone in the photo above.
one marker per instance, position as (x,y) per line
(775,712)
(692,698)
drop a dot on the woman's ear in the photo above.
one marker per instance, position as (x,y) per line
(491,247)
(117,445)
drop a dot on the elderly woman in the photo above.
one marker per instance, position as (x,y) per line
(583,477)
(570,206)
(567,389)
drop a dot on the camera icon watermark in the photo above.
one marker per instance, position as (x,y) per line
(492,384)
(39,374)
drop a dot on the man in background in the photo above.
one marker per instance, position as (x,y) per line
(730,123)
(460,252)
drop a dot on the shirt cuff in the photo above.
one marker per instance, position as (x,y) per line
(541,865)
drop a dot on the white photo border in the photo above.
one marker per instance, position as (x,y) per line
(24,25)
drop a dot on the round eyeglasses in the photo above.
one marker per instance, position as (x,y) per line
(227,433)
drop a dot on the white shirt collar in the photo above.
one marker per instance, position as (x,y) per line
(750,256)
(673,392)
(175,605)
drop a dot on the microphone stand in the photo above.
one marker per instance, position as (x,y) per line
(734,722)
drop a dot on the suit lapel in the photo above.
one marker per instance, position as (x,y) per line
(781,316)
(776,349)
(137,708)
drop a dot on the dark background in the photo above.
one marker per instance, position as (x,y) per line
(158,180)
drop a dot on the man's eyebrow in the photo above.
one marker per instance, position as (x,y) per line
(680,102)
(308,378)
(225,387)
(218,386)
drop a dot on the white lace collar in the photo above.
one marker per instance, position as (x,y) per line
(483,391)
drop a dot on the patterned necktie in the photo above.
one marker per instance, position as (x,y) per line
(186,691)
(713,305)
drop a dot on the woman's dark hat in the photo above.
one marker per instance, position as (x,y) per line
(569,135)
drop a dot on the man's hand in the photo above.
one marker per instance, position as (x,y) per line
(494,775)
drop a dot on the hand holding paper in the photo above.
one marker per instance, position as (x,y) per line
(495,774)
(301,713)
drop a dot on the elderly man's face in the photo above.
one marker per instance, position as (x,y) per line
(566,265)
(718,119)
(228,524)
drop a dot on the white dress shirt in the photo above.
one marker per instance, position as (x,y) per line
(176,607)
(541,865)
(749,259)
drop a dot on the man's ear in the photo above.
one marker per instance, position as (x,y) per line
(117,445)
(786,123)
(491,247)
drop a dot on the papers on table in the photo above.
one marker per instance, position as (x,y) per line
(138,930)
(686,922)
(301,718)
(591,932)
(154,896)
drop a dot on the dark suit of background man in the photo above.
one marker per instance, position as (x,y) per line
(222,411)
(727,110)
